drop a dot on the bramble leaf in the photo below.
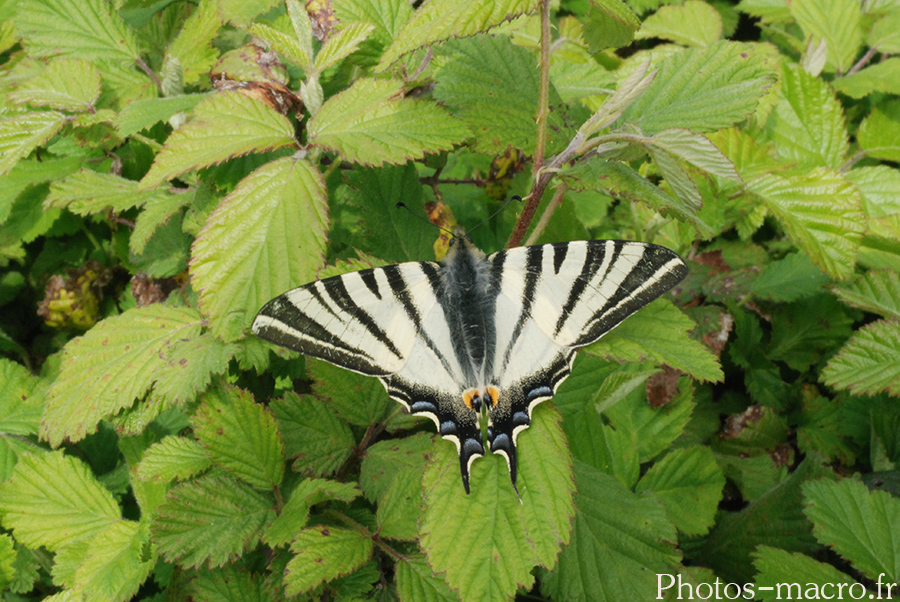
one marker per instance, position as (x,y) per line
(443,19)
(609,24)
(112,365)
(173,458)
(115,565)
(879,133)
(226,125)
(868,362)
(53,500)
(857,524)
(66,84)
(371,123)
(782,573)
(87,192)
(821,213)
(790,279)
(264,238)
(416,582)
(240,436)
(323,553)
(881,77)
(342,44)
(21,399)
(22,134)
(193,46)
(876,291)
(140,114)
(693,23)
(212,519)
(318,441)
(837,22)
(190,366)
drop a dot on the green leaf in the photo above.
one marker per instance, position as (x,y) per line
(807,124)
(342,44)
(388,17)
(837,22)
(193,46)
(226,125)
(885,33)
(240,436)
(21,399)
(7,558)
(868,362)
(879,186)
(627,535)
(879,133)
(690,484)
(857,523)
(493,86)
(295,513)
(876,291)
(659,332)
(790,279)
(114,363)
(774,519)
(22,134)
(324,553)
(443,19)
(503,537)
(158,211)
(695,149)
(173,458)
(87,192)
(231,583)
(883,77)
(265,238)
(795,576)
(115,567)
(53,500)
(371,123)
(824,427)
(609,24)
(88,29)
(67,84)
(190,367)
(360,400)
(805,331)
(286,45)
(693,23)
(140,114)
(212,519)
(821,213)
(703,89)
(416,582)
(318,441)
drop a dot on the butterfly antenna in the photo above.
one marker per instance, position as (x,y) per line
(514,197)
(402,205)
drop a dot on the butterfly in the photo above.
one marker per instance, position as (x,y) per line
(474,333)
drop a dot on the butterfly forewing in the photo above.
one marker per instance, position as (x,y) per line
(499,330)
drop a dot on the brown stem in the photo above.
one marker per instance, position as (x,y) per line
(146,69)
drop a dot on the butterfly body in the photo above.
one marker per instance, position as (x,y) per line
(473,333)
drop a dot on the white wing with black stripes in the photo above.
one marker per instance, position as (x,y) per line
(473,333)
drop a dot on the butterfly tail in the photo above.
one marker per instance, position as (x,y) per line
(470,449)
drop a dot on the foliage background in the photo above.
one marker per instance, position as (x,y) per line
(168,167)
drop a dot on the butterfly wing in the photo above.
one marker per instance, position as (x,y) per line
(553,299)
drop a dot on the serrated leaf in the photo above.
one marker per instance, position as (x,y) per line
(88,29)
(782,573)
(22,134)
(504,537)
(115,565)
(628,535)
(140,114)
(876,291)
(226,125)
(493,86)
(416,582)
(191,365)
(371,123)
(240,436)
(609,24)
(790,279)
(879,133)
(807,124)
(885,33)
(881,77)
(703,89)
(821,213)
(114,363)
(695,149)
(264,238)
(156,213)
(7,558)
(805,331)
(837,22)
(324,553)
(53,500)
(318,441)
(21,399)
(868,362)
(212,519)
(287,46)
(342,44)
(67,84)
(689,484)
(358,399)
(173,458)
(857,524)
(879,186)
(442,19)
(659,332)
(295,513)
(193,46)
(231,583)
(87,192)
(693,23)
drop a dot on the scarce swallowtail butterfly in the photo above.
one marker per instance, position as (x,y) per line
(473,333)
